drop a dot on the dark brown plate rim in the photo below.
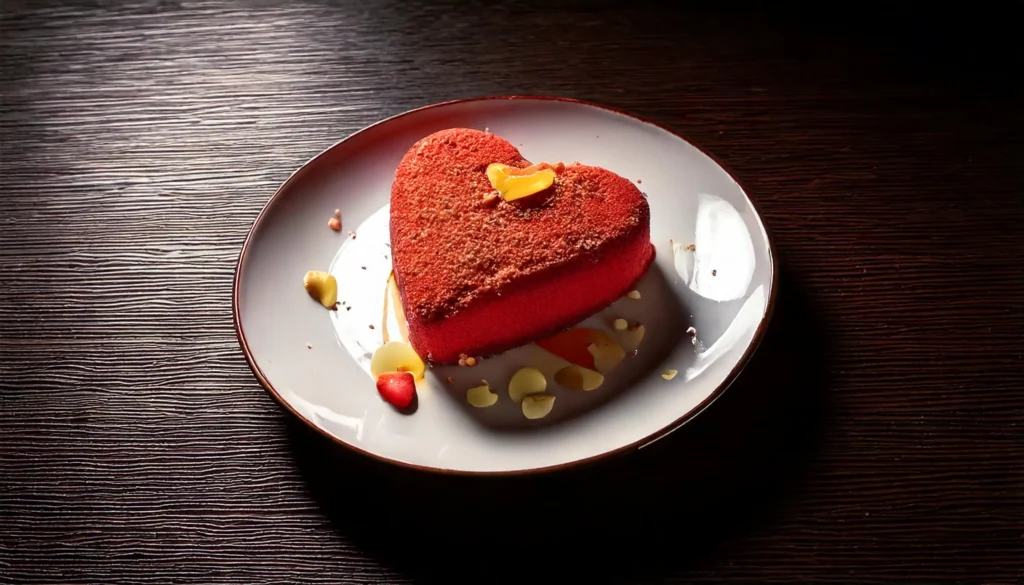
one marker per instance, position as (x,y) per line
(636,445)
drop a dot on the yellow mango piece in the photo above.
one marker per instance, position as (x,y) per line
(513,183)
(633,336)
(537,405)
(526,381)
(322,287)
(577,378)
(397,356)
(607,355)
(481,396)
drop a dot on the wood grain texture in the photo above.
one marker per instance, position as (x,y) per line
(877,437)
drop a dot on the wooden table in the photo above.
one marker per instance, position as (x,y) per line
(877,436)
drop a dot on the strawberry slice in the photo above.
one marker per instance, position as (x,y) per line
(397,388)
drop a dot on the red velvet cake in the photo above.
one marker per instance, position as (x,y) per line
(478,274)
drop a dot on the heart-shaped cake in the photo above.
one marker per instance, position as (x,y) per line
(480,273)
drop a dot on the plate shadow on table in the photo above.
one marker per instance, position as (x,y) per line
(667,507)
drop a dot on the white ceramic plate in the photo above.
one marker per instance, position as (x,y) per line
(315,362)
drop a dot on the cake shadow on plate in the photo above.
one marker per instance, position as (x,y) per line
(665,320)
(665,509)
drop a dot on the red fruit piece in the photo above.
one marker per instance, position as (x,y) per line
(397,388)
(571,345)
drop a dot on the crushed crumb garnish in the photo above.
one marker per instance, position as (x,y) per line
(669,374)
(309,346)
(337,213)
(467,360)
(692,247)
(363,267)
(372,327)
(714,273)
(451,380)
(348,308)
(353,234)
(620,324)
(633,294)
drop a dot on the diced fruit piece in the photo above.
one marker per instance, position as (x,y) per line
(574,346)
(633,336)
(571,345)
(620,324)
(669,374)
(512,183)
(525,382)
(607,354)
(397,388)
(538,405)
(481,396)
(322,287)
(397,356)
(577,378)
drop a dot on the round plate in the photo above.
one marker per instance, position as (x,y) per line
(704,304)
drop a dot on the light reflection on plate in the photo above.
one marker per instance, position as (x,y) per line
(721,264)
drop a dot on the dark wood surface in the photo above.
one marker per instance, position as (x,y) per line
(878,435)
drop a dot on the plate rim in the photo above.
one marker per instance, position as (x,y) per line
(755,342)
